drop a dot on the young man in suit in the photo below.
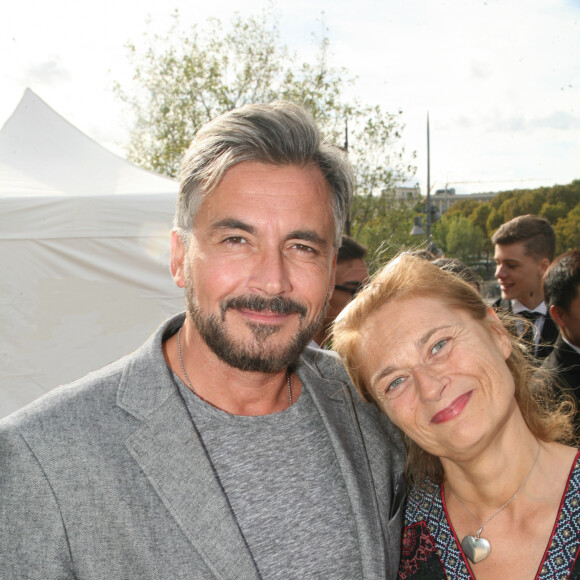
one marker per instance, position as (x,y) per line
(562,295)
(219,449)
(524,248)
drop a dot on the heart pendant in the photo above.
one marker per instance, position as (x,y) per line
(476,549)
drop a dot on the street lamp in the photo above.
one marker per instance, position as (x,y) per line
(428,220)
(418,227)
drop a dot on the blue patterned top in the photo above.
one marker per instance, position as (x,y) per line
(430,549)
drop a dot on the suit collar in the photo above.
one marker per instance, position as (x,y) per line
(333,400)
(147,380)
(169,453)
(565,352)
(517,307)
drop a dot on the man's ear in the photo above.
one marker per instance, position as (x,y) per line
(500,333)
(178,256)
(557,315)
(543,265)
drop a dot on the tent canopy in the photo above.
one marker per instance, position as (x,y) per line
(84,253)
(41,153)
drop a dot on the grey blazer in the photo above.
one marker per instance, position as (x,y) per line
(105,478)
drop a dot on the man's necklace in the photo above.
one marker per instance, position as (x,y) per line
(475,547)
(191,386)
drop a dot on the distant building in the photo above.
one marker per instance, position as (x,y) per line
(443,199)
(411,194)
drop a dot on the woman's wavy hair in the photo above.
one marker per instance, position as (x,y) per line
(548,416)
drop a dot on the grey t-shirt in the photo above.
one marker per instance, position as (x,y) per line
(285,487)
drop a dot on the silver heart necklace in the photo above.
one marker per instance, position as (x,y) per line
(475,547)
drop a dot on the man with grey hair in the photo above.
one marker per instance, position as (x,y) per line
(223,447)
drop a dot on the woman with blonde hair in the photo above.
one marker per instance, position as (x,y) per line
(494,476)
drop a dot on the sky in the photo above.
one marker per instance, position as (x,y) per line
(499,79)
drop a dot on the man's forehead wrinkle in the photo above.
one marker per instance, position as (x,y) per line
(233,224)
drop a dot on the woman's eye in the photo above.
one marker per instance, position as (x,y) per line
(438,346)
(394,384)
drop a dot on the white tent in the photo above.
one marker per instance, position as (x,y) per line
(84,254)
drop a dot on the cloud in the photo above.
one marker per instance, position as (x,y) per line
(495,121)
(49,72)
(480,70)
(559,120)
(556,121)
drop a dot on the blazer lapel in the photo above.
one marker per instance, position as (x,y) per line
(170,455)
(334,404)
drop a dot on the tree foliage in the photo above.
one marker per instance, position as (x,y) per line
(188,76)
(383,224)
(464,240)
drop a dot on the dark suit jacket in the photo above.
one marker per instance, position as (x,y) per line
(550,331)
(106,479)
(566,361)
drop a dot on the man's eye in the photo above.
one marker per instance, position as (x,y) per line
(304,248)
(235,240)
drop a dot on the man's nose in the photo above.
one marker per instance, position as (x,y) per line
(270,273)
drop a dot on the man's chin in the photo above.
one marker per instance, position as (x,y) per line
(261,359)
(263,349)
(507,294)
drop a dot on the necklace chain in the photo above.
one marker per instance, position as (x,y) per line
(191,386)
(477,534)
(181,361)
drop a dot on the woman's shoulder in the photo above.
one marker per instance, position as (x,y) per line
(564,461)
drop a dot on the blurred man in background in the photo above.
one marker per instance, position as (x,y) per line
(562,295)
(524,248)
(351,274)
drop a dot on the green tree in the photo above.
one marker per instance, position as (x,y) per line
(479,216)
(494,220)
(510,209)
(478,219)
(188,76)
(567,194)
(383,224)
(553,211)
(568,231)
(185,78)
(439,233)
(531,201)
(464,207)
(463,240)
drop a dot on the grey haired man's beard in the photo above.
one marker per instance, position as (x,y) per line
(253,355)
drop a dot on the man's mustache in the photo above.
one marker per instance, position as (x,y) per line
(278,305)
